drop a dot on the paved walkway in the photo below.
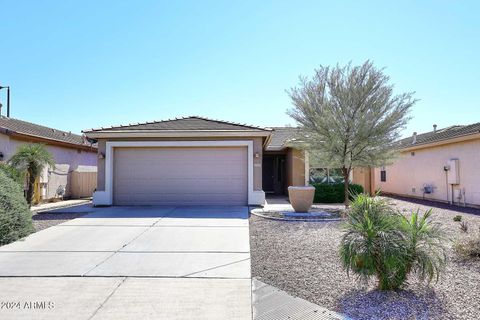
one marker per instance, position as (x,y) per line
(60,204)
(270,303)
(132,263)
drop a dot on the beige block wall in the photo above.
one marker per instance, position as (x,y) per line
(257,162)
(295,160)
(409,173)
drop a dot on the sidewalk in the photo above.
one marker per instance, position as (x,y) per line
(58,205)
(272,303)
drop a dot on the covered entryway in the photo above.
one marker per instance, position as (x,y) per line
(274,174)
(180,176)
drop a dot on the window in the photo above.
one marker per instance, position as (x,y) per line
(383,175)
(326,175)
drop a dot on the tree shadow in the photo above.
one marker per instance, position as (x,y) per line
(401,304)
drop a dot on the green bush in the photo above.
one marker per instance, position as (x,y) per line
(12,173)
(457,218)
(334,193)
(15,217)
(380,242)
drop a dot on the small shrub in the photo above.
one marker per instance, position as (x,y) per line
(379,242)
(334,193)
(464,226)
(12,173)
(457,218)
(469,248)
(15,217)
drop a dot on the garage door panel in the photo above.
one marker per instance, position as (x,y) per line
(180,176)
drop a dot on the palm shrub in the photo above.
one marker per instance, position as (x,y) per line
(15,217)
(379,242)
(31,159)
(425,245)
(372,244)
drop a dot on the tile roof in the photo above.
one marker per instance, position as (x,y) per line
(21,127)
(183,124)
(440,135)
(280,137)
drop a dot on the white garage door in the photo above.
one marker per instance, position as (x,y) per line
(180,176)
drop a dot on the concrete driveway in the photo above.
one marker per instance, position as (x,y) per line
(132,263)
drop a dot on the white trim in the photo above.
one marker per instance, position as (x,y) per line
(106,197)
(257,198)
(101,198)
(306,163)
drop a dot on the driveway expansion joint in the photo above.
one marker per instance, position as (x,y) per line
(115,252)
(107,298)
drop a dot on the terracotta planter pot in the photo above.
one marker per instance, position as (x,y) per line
(301,198)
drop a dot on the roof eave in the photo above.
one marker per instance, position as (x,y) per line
(466,137)
(275,148)
(25,136)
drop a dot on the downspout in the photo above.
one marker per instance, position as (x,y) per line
(446,183)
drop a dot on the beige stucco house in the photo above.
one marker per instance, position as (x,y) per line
(194,160)
(75,157)
(441,165)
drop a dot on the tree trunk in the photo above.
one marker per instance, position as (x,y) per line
(30,188)
(346,176)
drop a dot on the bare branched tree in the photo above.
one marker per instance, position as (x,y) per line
(349,117)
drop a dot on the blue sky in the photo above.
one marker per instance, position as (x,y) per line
(74,65)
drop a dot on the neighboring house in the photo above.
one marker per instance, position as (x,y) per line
(194,160)
(442,165)
(75,157)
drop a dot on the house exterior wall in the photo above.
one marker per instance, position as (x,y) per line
(409,173)
(66,160)
(257,162)
(296,167)
(363,177)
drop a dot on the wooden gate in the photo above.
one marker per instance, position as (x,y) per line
(82,184)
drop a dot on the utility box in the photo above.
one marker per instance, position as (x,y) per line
(453,175)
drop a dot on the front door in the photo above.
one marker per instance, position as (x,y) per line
(273,175)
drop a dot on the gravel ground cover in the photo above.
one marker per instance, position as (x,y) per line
(46,220)
(302,259)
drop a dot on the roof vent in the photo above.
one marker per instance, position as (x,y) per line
(434,128)
(414,138)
